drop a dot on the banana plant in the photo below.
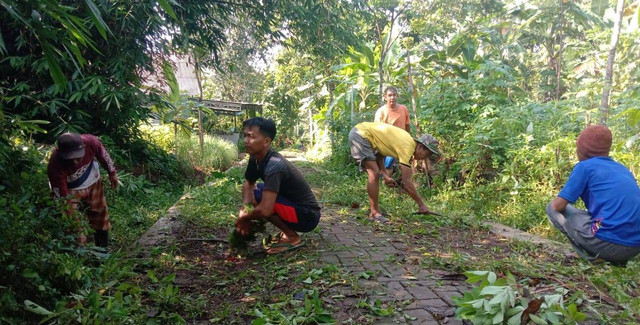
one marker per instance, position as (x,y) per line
(357,78)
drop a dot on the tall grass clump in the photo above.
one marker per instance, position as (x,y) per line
(218,154)
(162,135)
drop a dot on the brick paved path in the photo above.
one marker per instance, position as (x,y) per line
(386,259)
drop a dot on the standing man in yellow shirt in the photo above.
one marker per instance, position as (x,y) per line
(371,141)
(394,114)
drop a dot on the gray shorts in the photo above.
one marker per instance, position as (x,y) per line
(361,149)
(576,225)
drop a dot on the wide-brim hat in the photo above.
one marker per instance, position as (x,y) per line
(430,142)
(70,146)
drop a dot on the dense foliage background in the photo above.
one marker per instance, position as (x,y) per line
(504,85)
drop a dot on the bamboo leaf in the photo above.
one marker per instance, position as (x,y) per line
(96,17)
(169,75)
(75,63)
(54,66)
(3,48)
(167,8)
(13,13)
(35,308)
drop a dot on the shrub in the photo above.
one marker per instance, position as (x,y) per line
(162,135)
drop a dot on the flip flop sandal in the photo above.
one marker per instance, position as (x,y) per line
(288,247)
(380,219)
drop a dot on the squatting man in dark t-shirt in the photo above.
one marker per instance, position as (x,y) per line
(284,199)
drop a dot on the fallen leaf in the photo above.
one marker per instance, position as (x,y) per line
(328,300)
(532,308)
(153,312)
(247,299)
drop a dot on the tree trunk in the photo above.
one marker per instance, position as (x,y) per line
(551,63)
(381,80)
(384,50)
(175,135)
(413,94)
(559,53)
(332,127)
(200,131)
(352,113)
(310,127)
(604,104)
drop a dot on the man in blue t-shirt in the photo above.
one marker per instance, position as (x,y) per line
(610,228)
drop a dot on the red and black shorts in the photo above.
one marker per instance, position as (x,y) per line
(298,218)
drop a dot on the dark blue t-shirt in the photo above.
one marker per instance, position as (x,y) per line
(612,197)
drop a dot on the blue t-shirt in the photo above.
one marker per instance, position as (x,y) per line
(612,197)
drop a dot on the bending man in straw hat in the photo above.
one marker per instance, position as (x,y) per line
(610,228)
(371,141)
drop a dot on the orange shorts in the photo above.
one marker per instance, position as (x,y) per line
(93,198)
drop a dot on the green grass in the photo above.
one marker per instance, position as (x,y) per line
(216,204)
(137,205)
(218,154)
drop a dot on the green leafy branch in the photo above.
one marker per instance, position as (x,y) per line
(504,301)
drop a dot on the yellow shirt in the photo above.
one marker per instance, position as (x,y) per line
(388,140)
